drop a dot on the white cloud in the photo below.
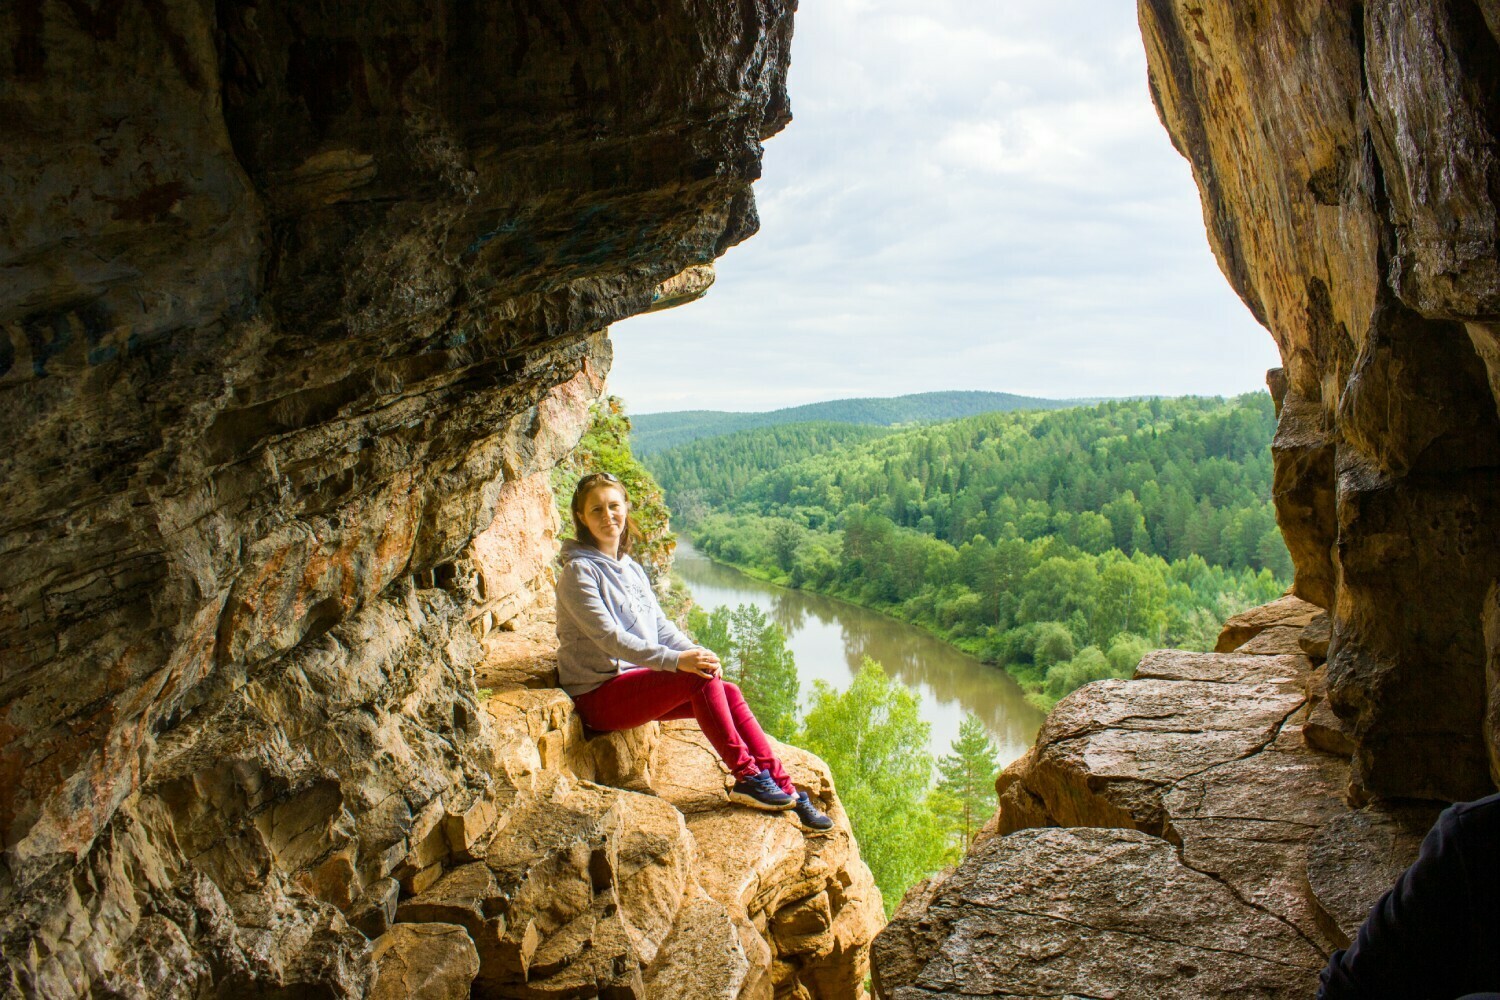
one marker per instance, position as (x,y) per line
(976,195)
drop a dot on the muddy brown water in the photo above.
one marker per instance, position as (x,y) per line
(830,639)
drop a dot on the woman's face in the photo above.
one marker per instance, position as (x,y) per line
(604,511)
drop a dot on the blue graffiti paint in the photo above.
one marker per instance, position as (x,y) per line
(483,238)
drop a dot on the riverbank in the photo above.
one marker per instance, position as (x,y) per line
(830,638)
(1057,618)
(1028,679)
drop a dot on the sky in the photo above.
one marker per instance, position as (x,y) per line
(973,194)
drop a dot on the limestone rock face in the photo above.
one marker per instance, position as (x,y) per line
(301,305)
(423,962)
(1346,157)
(1199,820)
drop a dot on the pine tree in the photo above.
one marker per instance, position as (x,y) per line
(765,670)
(968,781)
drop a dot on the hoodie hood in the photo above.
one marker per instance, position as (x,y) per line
(574,549)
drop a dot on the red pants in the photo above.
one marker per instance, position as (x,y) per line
(636,697)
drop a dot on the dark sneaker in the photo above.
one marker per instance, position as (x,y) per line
(810,815)
(761,792)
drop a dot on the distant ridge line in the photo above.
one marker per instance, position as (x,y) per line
(655,432)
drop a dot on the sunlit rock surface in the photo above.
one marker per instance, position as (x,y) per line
(1195,804)
(301,304)
(616,861)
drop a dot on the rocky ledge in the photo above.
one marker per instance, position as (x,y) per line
(613,865)
(1206,849)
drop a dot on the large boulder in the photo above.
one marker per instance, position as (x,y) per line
(1108,752)
(1093,912)
(423,962)
(806,900)
(1207,804)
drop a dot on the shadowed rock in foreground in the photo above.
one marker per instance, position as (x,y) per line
(1089,912)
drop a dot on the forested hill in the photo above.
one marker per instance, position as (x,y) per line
(655,432)
(1058,543)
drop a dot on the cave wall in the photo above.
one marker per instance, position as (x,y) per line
(1347,161)
(300,302)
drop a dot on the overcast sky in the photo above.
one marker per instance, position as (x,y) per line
(975,196)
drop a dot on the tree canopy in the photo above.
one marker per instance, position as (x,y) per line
(1149,519)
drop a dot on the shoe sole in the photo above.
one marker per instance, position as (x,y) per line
(748,800)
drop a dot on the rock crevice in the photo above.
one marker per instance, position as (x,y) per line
(1224,779)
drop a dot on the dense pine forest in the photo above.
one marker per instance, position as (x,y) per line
(654,432)
(1060,544)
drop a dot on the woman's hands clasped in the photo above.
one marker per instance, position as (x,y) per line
(700,661)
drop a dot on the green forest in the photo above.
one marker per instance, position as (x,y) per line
(654,432)
(1058,544)
(910,813)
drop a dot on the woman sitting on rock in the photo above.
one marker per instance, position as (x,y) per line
(625,664)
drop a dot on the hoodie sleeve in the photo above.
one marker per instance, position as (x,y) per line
(578,598)
(1415,940)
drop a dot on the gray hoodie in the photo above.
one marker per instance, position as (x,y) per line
(608,620)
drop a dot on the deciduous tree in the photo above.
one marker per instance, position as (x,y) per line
(875,742)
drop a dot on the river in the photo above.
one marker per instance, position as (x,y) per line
(830,639)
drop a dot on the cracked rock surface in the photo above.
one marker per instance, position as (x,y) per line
(1194,810)
(1089,913)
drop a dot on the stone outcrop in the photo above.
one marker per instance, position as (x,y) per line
(614,864)
(1346,157)
(1198,853)
(433,961)
(1289,617)
(1356,856)
(300,306)
(1119,915)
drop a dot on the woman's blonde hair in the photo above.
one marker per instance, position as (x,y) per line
(588,484)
